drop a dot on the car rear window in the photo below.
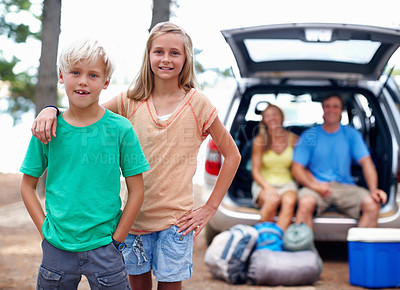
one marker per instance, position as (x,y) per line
(350,51)
(299,110)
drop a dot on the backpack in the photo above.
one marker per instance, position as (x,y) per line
(228,254)
(269,236)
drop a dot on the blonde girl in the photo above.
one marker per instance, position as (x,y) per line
(171,118)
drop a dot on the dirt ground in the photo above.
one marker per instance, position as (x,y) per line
(20,252)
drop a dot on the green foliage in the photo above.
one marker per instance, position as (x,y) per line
(21,88)
(6,69)
(21,85)
(17,32)
(226,73)
(18,106)
(199,68)
(396,72)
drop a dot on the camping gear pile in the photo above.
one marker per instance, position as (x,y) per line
(263,255)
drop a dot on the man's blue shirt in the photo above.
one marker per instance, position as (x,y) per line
(329,155)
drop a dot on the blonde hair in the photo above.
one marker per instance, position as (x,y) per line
(87,49)
(142,87)
(263,129)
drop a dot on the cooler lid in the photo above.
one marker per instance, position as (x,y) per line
(373,235)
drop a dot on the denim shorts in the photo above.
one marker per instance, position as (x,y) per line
(168,253)
(104,268)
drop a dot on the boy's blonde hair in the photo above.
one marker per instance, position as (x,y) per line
(142,87)
(87,49)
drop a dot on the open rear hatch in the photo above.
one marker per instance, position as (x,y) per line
(312,50)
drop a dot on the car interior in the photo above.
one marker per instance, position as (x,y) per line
(302,109)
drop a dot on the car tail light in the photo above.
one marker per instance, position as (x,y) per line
(213,158)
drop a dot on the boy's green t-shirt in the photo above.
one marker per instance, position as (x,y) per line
(83,204)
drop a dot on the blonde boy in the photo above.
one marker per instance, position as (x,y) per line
(84,227)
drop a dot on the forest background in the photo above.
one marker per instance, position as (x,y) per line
(33,31)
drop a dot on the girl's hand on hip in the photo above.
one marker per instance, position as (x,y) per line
(196,220)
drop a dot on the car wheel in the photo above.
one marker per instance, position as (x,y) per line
(210,234)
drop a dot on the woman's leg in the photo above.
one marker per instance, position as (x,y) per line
(286,212)
(269,205)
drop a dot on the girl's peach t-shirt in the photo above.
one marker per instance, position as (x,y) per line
(171,147)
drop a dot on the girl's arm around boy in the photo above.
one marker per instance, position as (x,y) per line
(199,218)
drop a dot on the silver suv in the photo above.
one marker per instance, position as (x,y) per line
(293,66)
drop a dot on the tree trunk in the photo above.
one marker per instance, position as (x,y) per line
(46,89)
(161,12)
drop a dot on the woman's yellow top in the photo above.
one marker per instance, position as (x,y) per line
(276,168)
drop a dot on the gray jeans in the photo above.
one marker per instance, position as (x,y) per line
(104,268)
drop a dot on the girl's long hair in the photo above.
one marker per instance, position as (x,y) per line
(263,128)
(141,88)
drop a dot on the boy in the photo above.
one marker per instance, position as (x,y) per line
(84,228)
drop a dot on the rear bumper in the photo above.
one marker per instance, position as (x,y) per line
(326,228)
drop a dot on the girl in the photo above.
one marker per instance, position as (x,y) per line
(272,153)
(171,119)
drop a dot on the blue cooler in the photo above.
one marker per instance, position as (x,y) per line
(374,257)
